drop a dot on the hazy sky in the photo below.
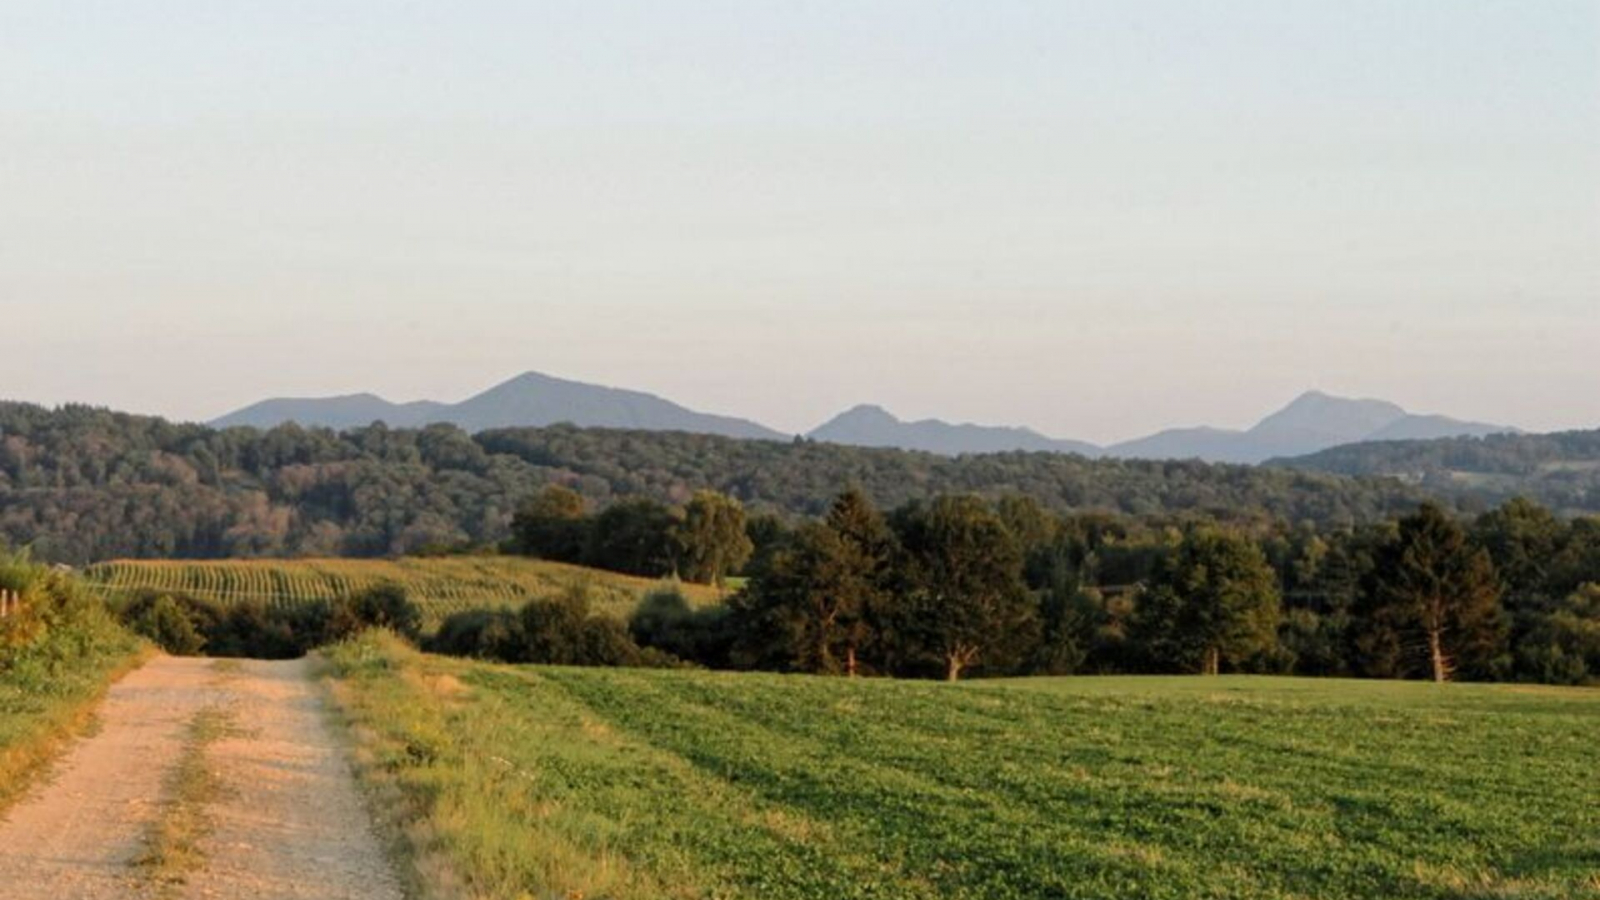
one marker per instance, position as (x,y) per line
(1095,218)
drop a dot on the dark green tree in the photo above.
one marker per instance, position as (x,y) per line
(552,525)
(1562,646)
(632,536)
(1215,601)
(814,606)
(387,605)
(564,631)
(965,602)
(1433,603)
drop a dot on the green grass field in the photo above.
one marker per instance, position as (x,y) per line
(648,784)
(442,585)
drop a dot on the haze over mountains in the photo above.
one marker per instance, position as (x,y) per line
(1313,422)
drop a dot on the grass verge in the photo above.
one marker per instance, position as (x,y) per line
(49,698)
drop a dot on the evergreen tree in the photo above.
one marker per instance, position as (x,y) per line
(869,551)
(1433,603)
(813,607)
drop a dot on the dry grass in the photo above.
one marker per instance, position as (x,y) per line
(172,850)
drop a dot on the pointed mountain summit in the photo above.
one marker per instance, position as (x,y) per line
(535,399)
(1312,422)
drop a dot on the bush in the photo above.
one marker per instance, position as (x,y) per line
(167,625)
(177,623)
(564,630)
(386,605)
(480,634)
(667,623)
(187,626)
(560,630)
(62,640)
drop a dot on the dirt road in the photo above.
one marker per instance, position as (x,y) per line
(286,821)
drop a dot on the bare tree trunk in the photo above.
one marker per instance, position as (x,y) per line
(952,670)
(1213,664)
(1441,665)
(850,662)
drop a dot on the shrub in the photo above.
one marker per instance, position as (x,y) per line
(166,624)
(62,640)
(667,623)
(387,605)
(480,634)
(177,623)
(560,630)
(187,626)
(564,630)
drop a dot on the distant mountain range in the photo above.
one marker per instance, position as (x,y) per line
(1313,422)
(528,400)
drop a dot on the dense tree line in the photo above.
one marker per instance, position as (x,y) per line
(957,584)
(82,484)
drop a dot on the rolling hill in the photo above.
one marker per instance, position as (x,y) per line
(1559,470)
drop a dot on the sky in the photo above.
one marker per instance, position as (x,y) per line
(1097,218)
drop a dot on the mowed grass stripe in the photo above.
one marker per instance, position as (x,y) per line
(961,841)
(916,793)
(1189,785)
(740,838)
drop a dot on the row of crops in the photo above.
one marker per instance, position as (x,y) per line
(442,585)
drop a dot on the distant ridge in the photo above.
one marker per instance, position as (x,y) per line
(529,400)
(873,426)
(1313,422)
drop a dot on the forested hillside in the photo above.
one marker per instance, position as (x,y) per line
(1561,471)
(82,484)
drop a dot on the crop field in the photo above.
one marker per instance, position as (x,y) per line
(441,585)
(532,781)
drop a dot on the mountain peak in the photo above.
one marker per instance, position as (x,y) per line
(866,412)
(531,399)
(869,425)
(1313,421)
